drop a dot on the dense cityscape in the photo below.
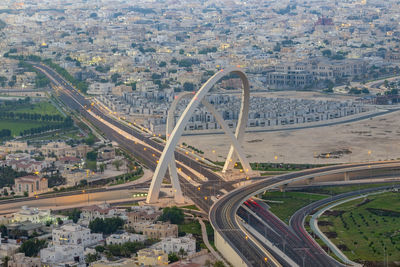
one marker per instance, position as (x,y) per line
(199,133)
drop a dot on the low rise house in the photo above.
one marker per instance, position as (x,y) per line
(142,214)
(152,257)
(31,184)
(14,146)
(20,260)
(156,230)
(63,255)
(116,239)
(102,211)
(31,214)
(106,153)
(74,234)
(8,250)
(175,244)
(35,215)
(18,230)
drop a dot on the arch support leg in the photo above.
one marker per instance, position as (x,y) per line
(173,174)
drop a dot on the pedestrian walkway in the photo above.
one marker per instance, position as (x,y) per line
(208,245)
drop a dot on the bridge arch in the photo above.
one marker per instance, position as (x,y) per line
(167,158)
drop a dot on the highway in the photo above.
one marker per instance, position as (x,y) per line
(148,153)
(297,220)
(223,213)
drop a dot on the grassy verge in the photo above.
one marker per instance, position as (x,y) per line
(365,229)
(190,207)
(17,127)
(336,190)
(42,108)
(194,228)
(285,204)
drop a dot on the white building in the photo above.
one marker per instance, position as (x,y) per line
(102,211)
(35,215)
(65,255)
(20,260)
(123,238)
(74,234)
(175,244)
(100,88)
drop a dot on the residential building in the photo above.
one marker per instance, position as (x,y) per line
(8,249)
(152,257)
(175,244)
(20,260)
(102,211)
(142,214)
(35,215)
(14,146)
(156,230)
(74,234)
(31,184)
(119,239)
(63,255)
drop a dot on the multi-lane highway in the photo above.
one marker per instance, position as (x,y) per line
(148,151)
(297,220)
(223,215)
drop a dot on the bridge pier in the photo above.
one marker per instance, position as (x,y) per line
(346,176)
(282,187)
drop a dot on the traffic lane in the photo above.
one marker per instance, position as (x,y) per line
(283,238)
(273,237)
(297,219)
(297,247)
(84,199)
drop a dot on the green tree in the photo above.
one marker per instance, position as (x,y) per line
(92,258)
(6,259)
(31,247)
(174,215)
(117,164)
(188,86)
(219,264)
(182,253)
(115,77)
(74,215)
(3,230)
(91,155)
(90,140)
(327,53)
(172,257)
(99,249)
(106,226)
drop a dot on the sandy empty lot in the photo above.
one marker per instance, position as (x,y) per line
(373,139)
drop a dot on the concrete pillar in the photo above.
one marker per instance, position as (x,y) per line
(346,176)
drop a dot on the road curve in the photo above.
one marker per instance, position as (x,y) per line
(298,218)
(223,212)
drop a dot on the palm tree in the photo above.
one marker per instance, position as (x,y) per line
(182,253)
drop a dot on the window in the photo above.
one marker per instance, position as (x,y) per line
(37,185)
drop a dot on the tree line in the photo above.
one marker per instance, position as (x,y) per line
(68,122)
(31,116)
(5,133)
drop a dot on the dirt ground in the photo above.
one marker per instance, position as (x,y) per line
(372,139)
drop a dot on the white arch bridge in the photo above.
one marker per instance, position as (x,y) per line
(167,159)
